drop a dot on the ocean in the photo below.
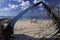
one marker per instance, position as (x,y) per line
(42,17)
(1,17)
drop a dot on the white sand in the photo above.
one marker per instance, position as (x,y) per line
(36,30)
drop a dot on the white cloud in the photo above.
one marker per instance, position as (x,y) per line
(40,4)
(24,5)
(35,1)
(10,6)
(5,8)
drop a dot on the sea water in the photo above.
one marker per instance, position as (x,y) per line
(27,17)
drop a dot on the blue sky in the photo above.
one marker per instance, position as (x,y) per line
(14,7)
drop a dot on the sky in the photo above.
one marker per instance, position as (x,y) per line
(14,7)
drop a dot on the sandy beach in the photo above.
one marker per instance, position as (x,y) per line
(43,28)
(27,30)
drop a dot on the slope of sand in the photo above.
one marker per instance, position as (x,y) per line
(43,28)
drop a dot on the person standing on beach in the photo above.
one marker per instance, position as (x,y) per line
(34,20)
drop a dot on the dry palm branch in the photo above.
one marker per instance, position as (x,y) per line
(8,31)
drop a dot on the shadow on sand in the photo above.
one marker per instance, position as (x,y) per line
(26,37)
